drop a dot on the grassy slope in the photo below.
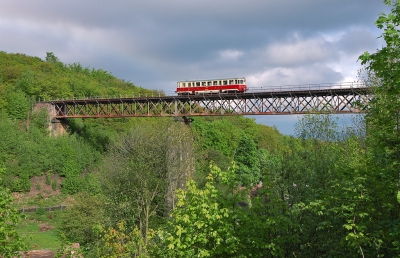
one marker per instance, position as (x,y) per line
(37,239)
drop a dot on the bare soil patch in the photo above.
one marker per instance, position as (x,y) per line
(45,226)
(38,254)
(39,190)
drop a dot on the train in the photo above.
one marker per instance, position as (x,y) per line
(214,86)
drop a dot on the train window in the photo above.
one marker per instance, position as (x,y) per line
(225,82)
(240,82)
(203,84)
(183,84)
(197,83)
(230,81)
(215,82)
(209,83)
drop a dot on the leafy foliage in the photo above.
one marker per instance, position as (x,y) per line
(31,154)
(119,242)
(201,225)
(383,122)
(10,241)
(328,192)
(133,177)
(53,79)
(248,162)
(79,219)
(17,106)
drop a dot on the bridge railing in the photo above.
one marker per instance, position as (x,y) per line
(307,87)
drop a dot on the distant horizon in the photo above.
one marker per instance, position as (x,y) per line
(286,123)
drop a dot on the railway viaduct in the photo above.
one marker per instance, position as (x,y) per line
(341,98)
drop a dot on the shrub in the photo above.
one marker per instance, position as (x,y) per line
(40,211)
(48,179)
(25,183)
(72,184)
(54,185)
(79,219)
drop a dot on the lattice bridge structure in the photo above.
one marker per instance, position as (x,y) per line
(340,98)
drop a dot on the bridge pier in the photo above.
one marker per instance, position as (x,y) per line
(58,127)
(55,127)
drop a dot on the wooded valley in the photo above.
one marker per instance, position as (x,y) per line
(219,187)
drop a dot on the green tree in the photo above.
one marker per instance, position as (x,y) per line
(17,107)
(79,219)
(134,177)
(384,110)
(383,138)
(247,160)
(316,192)
(41,120)
(224,219)
(202,223)
(10,242)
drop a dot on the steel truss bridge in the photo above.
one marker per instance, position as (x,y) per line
(281,100)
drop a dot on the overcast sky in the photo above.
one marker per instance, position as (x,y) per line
(156,43)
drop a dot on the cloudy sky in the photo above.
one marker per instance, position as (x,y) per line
(156,43)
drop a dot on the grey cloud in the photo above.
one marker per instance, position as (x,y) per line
(186,29)
(311,74)
(357,41)
(260,14)
(299,52)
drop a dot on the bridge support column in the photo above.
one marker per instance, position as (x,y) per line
(56,127)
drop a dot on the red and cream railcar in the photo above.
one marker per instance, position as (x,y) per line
(228,85)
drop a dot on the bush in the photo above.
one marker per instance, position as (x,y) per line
(72,184)
(48,179)
(40,211)
(92,184)
(54,185)
(79,219)
(25,183)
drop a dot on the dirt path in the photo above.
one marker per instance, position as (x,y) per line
(39,254)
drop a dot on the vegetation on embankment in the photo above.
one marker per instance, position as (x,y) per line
(72,164)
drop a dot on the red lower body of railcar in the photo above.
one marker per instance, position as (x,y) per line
(212,89)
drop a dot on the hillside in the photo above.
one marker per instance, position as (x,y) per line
(27,151)
(52,79)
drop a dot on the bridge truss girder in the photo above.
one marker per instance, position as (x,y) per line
(334,101)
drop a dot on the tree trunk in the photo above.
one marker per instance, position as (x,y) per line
(180,162)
